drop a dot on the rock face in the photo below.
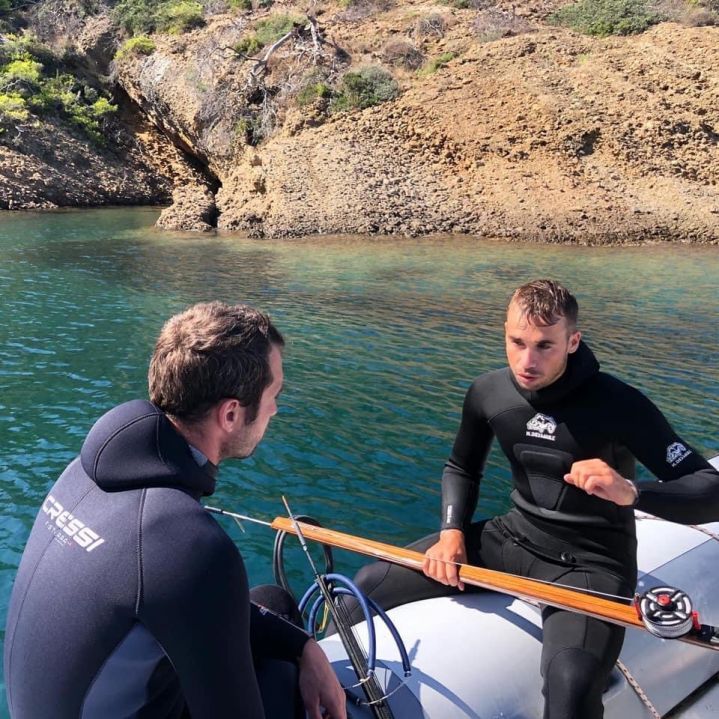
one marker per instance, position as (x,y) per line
(543,137)
(51,164)
(193,208)
(546,135)
(56,167)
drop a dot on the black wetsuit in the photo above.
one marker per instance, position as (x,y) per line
(555,531)
(130,600)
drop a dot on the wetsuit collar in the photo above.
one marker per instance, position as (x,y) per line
(135,445)
(581,366)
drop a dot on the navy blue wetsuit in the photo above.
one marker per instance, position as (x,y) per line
(130,600)
(555,531)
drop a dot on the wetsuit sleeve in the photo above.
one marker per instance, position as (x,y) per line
(271,636)
(463,470)
(195,602)
(687,486)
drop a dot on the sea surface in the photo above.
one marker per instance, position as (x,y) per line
(384,337)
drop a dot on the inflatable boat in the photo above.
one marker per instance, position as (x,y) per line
(477,656)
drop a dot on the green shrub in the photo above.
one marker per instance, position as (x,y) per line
(137,16)
(178,17)
(314,91)
(26,88)
(12,107)
(25,47)
(607,17)
(101,108)
(249,45)
(7,6)
(249,129)
(56,95)
(266,32)
(138,45)
(366,87)
(240,4)
(65,96)
(21,72)
(436,63)
(274,27)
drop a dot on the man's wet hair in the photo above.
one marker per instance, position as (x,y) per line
(545,302)
(210,352)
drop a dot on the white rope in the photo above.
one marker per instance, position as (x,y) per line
(699,528)
(634,684)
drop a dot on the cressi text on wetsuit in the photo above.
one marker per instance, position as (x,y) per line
(130,600)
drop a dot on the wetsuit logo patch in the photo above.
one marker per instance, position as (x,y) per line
(542,426)
(676,453)
(66,527)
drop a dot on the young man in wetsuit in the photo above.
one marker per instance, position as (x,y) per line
(130,600)
(571,434)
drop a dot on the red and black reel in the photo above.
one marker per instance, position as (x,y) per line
(666,612)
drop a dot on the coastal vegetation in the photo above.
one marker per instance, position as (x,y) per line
(136,45)
(364,88)
(34,86)
(608,17)
(148,16)
(267,31)
(384,116)
(437,63)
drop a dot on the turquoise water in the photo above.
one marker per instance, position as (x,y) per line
(384,336)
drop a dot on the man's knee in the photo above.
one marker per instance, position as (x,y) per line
(573,684)
(371,576)
(278,601)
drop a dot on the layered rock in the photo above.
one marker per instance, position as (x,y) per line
(546,135)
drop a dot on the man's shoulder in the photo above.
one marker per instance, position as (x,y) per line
(615,387)
(491,387)
(171,514)
(493,380)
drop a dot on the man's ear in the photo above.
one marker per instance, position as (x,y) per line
(574,340)
(229,413)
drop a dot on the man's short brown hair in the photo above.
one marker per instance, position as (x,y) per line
(545,302)
(210,352)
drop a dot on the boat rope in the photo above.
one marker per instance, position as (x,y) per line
(698,527)
(634,684)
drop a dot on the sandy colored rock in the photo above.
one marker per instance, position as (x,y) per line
(547,135)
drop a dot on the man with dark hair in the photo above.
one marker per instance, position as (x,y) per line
(130,600)
(571,434)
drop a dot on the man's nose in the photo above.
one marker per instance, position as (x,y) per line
(529,360)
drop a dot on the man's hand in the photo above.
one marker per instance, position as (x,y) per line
(319,686)
(596,477)
(440,559)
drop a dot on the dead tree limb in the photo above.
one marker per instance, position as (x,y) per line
(261,67)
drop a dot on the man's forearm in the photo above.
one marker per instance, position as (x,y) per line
(459,498)
(692,499)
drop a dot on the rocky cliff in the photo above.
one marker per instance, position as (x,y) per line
(500,125)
